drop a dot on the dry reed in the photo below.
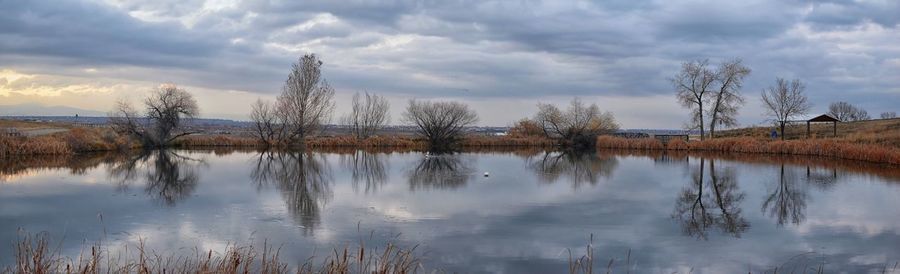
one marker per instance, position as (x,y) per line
(507,141)
(216,141)
(34,255)
(812,147)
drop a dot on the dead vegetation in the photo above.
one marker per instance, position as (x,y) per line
(833,148)
(881,131)
(67,142)
(35,254)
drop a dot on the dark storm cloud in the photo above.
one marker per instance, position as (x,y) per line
(463,48)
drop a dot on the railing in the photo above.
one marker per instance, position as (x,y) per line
(665,138)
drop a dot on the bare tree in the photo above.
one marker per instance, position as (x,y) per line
(267,124)
(692,85)
(846,112)
(785,100)
(166,109)
(888,115)
(860,115)
(442,123)
(306,100)
(126,120)
(367,115)
(727,99)
(578,126)
(841,110)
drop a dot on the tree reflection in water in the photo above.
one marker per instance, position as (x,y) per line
(441,171)
(787,201)
(366,167)
(702,205)
(303,179)
(169,176)
(578,167)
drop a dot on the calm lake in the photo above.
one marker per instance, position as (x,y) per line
(664,212)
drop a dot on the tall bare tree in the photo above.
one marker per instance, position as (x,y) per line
(166,109)
(578,126)
(367,115)
(306,100)
(727,99)
(888,115)
(692,87)
(442,123)
(785,101)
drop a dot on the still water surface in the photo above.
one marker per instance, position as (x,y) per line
(671,212)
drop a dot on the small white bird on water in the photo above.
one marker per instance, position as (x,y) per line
(486,174)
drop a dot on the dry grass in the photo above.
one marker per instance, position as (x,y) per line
(625,143)
(878,131)
(507,141)
(193,141)
(472,141)
(75,140)
(34,254)
(374,141)
(813,147)
(10,146)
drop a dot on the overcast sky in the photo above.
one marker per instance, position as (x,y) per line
(501,57)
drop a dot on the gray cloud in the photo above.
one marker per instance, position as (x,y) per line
(466,49)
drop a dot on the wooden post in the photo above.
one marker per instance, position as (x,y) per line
(835,129)
(807,129)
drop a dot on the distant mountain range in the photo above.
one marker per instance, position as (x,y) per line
(34,109)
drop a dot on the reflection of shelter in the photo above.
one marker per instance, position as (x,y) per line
(824,118)
(822,179)
(670,157)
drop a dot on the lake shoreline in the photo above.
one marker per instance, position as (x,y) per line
(830,148)
(82,140)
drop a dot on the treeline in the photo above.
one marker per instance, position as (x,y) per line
(713,96)
(306,104)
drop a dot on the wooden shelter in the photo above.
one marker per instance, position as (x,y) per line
(824,118)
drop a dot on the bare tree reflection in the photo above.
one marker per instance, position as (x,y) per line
(303,179)
(366,167)
(787,201)
(169,176)
(702,206)
(577,167)
(441,171)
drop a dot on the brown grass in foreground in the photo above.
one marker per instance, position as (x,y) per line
(811,147)
(34,254)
